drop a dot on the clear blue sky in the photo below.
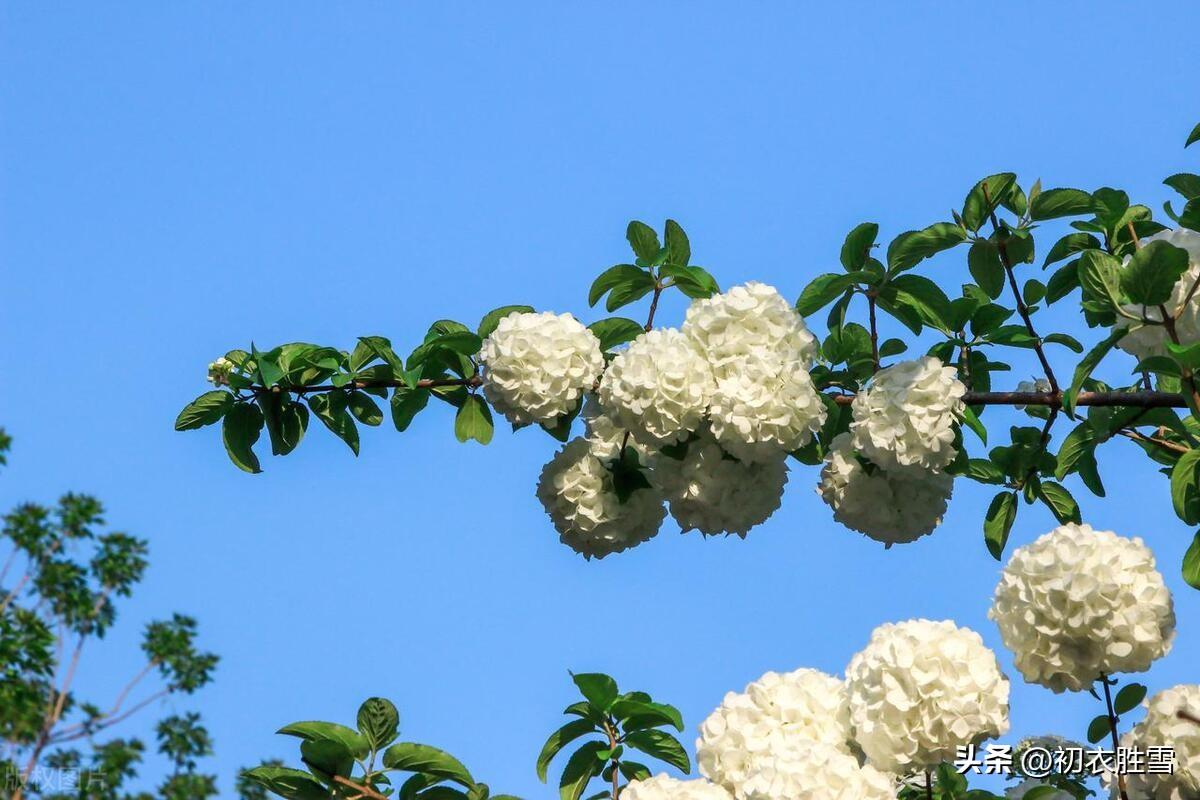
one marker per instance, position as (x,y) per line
(180,178)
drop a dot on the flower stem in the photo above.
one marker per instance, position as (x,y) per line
(1112,729)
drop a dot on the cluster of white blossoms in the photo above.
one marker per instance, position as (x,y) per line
(768,723)
(536,367)
(218,371)
(664,787)
(919,690)
(658,388)
(577,490)
(759,351)
(906,415)
(710,492)
(1184,304)
(1077,603)
(892,506)
(1163,727)
(817,771)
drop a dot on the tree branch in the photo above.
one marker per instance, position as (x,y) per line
(1054,399)
(363,791)
(1022,309)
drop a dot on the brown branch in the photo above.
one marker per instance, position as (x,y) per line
(363,791)
(874,329)
(70,731)
(1162,443)
(1187,716)
(1112,728)
(1022,309)
(1054,399)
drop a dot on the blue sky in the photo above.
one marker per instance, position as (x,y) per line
(181,178)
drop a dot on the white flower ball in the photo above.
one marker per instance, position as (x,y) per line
(1026,786)
(536,367)
(919,690)
(576,489)
(1151,340)
(1162,727)
(664,787)
(763,409)
(606,436)
(658,387)
(893,506)
(815,771)
(1079,602)
(749,322)
(767,721)
(906,416)
(710,492)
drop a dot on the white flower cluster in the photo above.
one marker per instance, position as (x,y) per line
(664,787)
(1162,727)
(768,723)
(710,492)
(1150,340)
(906,416)
(576,488)
(892,506)
(536,366)
(658,388)
(815,771)
(759,351)
(919,690)
(218,371)
(1079,602)
(605,435)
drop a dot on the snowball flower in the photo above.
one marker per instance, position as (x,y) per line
(893,506)
(1162,727)
(1079,602)
(576,489)
(1151,340)
(1025,787)
(768,721)
(536,367)
(607,437)
(712,493)
(664,787)
(766,408)
(919,689)
(218,371)
(815,771)
(748,322)
(658,387)
(906,416)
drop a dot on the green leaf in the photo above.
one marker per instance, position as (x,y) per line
(694,282)
(1062,282)
(1194,136)
(633,771)
(242,427)
(1110,205)
(1098,729)
(1081,439)
(923,296)
(662,746)
(1128,698)
(599,689)
(559,739)
(1069,245)
(292,784)
(327,758)
(1033,291)
(1151,273)
(910,248)
(821,291)
(646,714)
(582,766)
(679,249)
(972,421)
(643,240)
(999,521)
(984,471)
(1069,342)
(331,409)
(1185,491)
(615,276)
(983,261)
(381,348)
(977,208)
(892,347)
(317,731)
(364,409)
(1191,563)
(204,410)
(413,757)
(615,330)
(378,722)
(267,370)
(1060,502)
(1089,363)
(406,404)
(491,320)
(474,421)
(857,247)
(1100,276)
(1186,184)
(1054,203)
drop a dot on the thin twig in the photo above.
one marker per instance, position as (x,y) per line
(874,329)
(1162,443)
(1112,728)
(363,791)
(1187,716)
(1055,400)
